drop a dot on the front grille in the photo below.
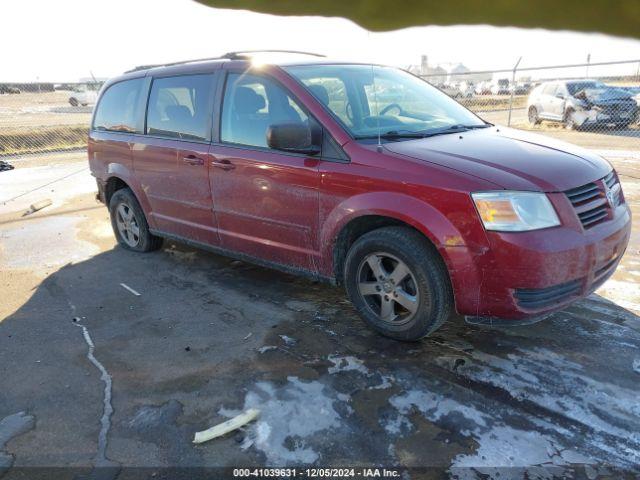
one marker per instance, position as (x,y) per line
(536,298)
(583,194)
(613,185)
(590,201)
(610,180)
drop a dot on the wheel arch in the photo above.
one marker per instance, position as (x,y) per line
(119,177)
(351,220)
(112,185)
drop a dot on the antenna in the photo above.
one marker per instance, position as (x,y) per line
(375,99)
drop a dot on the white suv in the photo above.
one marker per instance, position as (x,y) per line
(83,96)
(581,103)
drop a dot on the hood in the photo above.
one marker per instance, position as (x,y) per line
(511,159)
(603,95)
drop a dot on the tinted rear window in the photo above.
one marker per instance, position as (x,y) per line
(179,107)
(118,105)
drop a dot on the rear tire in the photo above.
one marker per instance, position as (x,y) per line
(129,223)
(398,283)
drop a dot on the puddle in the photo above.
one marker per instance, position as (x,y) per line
(43,243)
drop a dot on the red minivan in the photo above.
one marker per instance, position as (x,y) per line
(363,175)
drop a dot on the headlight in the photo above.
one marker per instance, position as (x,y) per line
(515,211)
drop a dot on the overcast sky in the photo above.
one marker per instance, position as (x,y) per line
(63,40)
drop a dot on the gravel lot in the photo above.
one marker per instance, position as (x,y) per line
(208,337)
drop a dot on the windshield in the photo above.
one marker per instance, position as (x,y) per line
(575,87)
(367,99)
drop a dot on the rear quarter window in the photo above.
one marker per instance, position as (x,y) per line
(118,106)
(179,107)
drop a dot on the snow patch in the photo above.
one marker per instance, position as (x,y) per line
(290,417)
(346,364)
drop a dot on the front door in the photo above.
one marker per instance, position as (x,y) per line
(172,160)
(266,201)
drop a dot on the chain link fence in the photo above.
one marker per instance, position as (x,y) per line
(44,117)
(595,105)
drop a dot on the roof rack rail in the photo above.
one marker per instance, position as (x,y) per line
(227,56)
(247,53)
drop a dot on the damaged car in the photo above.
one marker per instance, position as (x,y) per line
(361,175)
(581,104)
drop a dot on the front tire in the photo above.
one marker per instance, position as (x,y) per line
(129,223)
(398,283)
(569,122)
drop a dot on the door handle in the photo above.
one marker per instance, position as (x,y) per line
(223,164)
(193,160)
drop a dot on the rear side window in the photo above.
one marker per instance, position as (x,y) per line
(117,109)
(179,107)
(549,89)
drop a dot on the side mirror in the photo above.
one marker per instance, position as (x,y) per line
(560,95)
(292,137)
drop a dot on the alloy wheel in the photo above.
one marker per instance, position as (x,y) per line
(388,287)
(127,225)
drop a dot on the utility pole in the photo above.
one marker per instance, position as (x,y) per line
(513,89)
(588,62)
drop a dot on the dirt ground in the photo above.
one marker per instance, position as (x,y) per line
(104,383)
(32,109)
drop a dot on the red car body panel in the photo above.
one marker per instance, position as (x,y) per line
(289,209)
(266,204)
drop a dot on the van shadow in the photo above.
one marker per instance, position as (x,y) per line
(205,328)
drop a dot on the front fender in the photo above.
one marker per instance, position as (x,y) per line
(456,234)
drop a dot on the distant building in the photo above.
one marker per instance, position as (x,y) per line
(449,73)
(434,75)
(87,80)
(458,72)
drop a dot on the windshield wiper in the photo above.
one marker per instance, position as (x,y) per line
(391,134)
(460,126)
(455,129)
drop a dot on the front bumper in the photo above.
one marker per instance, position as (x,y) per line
(525,276)
(101,196)
(596,118)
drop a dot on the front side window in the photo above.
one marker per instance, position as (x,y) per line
(369,99)
(179,107)
(251,104)
(117,109)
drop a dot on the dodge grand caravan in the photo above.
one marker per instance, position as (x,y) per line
(362,175)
